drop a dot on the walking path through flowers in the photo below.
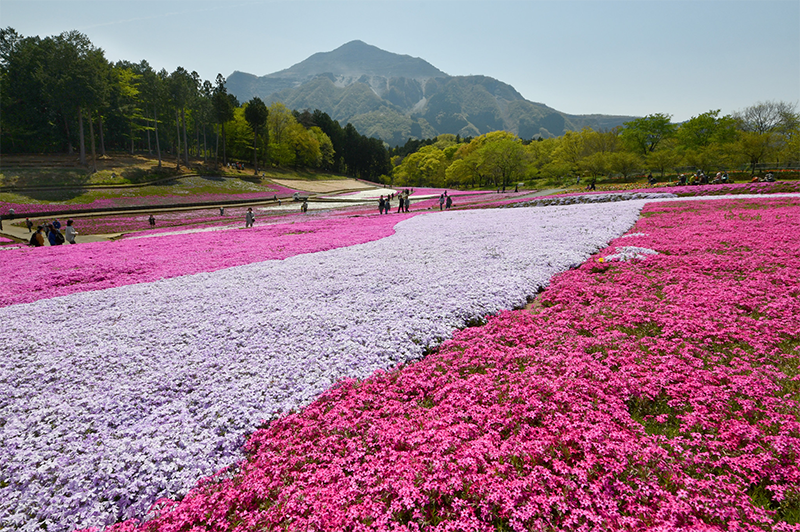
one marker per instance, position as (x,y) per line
(606,408)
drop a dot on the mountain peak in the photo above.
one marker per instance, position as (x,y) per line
(357,58)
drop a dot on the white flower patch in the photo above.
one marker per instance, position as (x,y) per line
(593,198)
(114,398)
(626,253)
(633,234)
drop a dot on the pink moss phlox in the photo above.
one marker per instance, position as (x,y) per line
(655,394)
(99,265)
(34,209)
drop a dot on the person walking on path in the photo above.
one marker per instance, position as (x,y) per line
(152,220)
(249,218)
(304,207)
(57,224)
(441,201)
(449,202)
(70,233)
(381,205)
(406,202)
(29,224)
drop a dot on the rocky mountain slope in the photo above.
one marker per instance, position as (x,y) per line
(395,97)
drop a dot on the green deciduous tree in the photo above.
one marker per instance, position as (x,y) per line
(643,135)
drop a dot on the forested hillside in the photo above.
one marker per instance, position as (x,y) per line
(765,135)
(61,95)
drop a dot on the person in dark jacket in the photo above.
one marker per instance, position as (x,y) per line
(54,236)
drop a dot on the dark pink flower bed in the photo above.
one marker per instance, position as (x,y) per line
(98,265)
(654,394)
(38,209)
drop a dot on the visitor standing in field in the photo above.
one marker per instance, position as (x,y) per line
(249,218)
(449,202)
(406,202)
(381,205)
(28,224)
(70,233)
(304,207)
(441,201)
(152,220)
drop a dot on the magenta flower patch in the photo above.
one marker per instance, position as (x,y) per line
(657,393)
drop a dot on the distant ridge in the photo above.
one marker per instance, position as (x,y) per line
(396,97)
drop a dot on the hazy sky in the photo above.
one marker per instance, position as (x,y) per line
(633,57)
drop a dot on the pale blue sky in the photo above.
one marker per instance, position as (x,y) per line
(632,57)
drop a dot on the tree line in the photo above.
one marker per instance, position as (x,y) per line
(60,95)
(767,132)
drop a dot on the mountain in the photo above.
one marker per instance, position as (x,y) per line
(396,97)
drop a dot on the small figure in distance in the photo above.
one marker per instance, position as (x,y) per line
(249,218)
(152,220)
(70,233)
(29,224)
(222,211)
(381,205)
(449,202)
(304,207)
(406,201)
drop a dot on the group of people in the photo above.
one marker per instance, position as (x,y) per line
(236,166)
(403,202)
(51,233)
(700,178)
(445,200)
(766,178)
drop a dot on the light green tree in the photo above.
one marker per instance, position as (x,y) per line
(624,162)
(643,135)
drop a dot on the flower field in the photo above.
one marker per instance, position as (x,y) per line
(658,393)
(114,398)
(193,190)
